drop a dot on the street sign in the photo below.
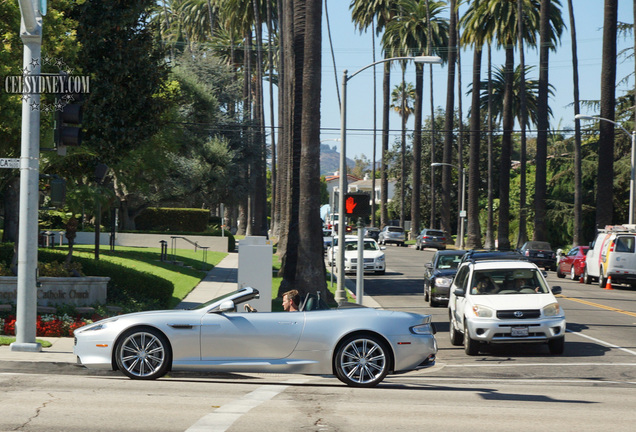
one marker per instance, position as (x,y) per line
(357,205)
(9,163)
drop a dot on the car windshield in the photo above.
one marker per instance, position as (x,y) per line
(368,245)
(448,261)
(395,229)
(433,233)
(507,281)
(214,300)
(538,245)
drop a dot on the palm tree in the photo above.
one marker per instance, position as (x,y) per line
(409,29)
(605,176)
(363,14)
(549,31)
(497,20)
(577,133)
(522,235)
(401,98)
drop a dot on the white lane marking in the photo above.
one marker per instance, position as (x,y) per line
(602,342)
(222,418)
(509,380)
(513,364)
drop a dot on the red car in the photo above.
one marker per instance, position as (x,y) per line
(573,263)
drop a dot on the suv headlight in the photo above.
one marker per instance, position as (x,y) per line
(380,258)
(443,282)
(483,311)
(551,310)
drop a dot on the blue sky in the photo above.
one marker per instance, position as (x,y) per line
(353,51)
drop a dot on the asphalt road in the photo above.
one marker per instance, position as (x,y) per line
(591,387)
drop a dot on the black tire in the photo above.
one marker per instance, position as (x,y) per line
(601,279)
(471,346)
(559,274)
(573,273)
(557,345)
(362,361)
(586,277)
(456,337)
(426,296)
(433,302)
(143,353)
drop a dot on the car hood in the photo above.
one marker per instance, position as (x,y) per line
(514,301)
(366,254)
(445,272)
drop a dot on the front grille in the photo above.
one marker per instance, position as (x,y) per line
(368,260)
(519,314)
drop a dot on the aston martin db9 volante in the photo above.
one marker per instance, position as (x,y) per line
(359,345)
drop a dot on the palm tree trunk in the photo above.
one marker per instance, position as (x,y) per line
(578,206)
(506,149)
(403,148)
(310,273)
(416,166)
(473,239)
(260,192)
(490,235)
(605,176)
(270,58)
(447,158)
(386,106)
(522,235)
(540,191)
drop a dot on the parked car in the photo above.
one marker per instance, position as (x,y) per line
(372,232)
(495,302)
(488,254)
(439,275)
(327,239)
(572,263)
(430,238)
(540,253)
(373,255)
(357,344)
(612,254)
(392,234)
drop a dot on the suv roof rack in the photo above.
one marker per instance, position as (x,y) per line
(619,228)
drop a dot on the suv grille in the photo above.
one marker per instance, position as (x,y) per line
(519,314)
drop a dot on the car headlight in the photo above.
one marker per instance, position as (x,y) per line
(422,329)
(483,311)
(443,282)
(99,325)
(380,258)
(552,310)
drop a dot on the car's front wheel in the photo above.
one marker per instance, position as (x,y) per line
(456,337)
(362,361)
(143,353)
(601,279)
(559,273)
(471,346)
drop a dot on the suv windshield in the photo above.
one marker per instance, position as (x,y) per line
(538,245)
(507,281)
(395,229)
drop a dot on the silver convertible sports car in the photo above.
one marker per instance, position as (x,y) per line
(359,345)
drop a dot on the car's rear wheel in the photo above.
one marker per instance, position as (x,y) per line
(362,361)
(573,273)
(586,277)
(456,337)
(556,345)
(471,346)
(143,353)
(601,279)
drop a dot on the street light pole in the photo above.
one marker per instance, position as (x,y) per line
(462,212)
(632,176)
(340,294)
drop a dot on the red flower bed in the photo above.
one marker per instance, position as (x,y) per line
(51,326)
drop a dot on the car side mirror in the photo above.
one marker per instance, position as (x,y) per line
(227,306)
(459,292)
(557,290)
(428,265)
(382,247)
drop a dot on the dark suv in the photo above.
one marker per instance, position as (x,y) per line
(540,253)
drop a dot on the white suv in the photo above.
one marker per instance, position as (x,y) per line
(504,302)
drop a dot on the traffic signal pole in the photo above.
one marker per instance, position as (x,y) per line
(26,304)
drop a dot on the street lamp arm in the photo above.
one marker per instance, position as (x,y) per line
(587,117)
(416,59)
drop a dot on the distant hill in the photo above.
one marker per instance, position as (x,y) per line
(330,160)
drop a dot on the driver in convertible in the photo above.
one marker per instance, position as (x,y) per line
(290,302)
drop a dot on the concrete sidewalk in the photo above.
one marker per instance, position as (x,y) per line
(222,279)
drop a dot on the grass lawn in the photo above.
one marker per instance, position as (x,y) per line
(8,340)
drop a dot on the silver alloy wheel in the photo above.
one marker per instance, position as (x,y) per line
(142,355)
(363,362)
(572,273)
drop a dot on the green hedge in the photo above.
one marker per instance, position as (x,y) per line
(127,286)
(173,219)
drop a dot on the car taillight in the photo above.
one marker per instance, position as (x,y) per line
(527,253)
(611,248)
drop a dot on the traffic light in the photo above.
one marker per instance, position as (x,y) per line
(58,191)
(68,119)
(357,205)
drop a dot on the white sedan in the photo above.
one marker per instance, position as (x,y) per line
(373,255)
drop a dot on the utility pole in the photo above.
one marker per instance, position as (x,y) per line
(26,304)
